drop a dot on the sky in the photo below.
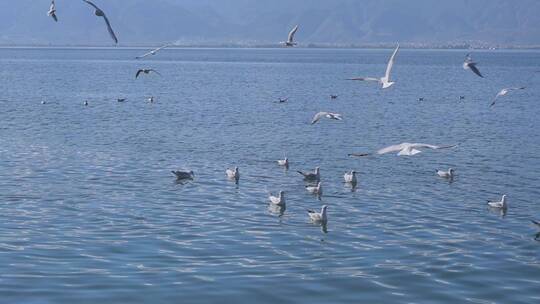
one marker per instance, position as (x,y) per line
(256,22)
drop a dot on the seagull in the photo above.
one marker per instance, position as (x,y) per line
(284,162)
(290,39)
(333,96)
(86,102)
(315,189)
(470,65)
(283,100)
(278,200)
(98,12)
(233,174)
(152,52)
(150,99)
(319,217)
(43,102)
(146,71)
(502,204)
(350,177)
(421,99)
(183,174)
(312,176)
(446,174)
(385,81)
(120,99)
(503,92)
(406,149)
(329,115)
(52,11)
(461,97)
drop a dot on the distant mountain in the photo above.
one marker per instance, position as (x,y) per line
(255,22)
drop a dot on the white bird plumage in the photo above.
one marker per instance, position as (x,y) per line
(277,200)
(315,189)
(446,174)
(319,217)
(329,115)
(52,11)
(409,149)
(385,80)
(502,204)
(469,64)
(152,52)
(350,177)
(283,162)
(233,173)
(503,92)
(290,39)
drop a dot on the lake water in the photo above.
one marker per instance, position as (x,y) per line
(90,212)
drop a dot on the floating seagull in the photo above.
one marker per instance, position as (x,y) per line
(284,162)
(503,92)
(470,65)
(315,189)
(86,102)
(406,149)
(333,96)
(502,204)
(283,100)
(146,71)
(278,200)
(319,217)
(421,99)
(52,11)
(290,40)
(329,115)
(150,99)
(312,176)
(461,97)
(43,102)
(98,12)
(446,174)
(120,99)
(233,174)
(385,81)
(350,177)
(152,52)
(183,174)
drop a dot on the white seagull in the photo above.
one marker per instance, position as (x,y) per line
(98,12)
(315,189)
(290,39)
(312,176)
(469,64)
(152,52)
(350,177)
(502,204)
(446,174)
(385,80)
(52,11)
(278,200)
(233,173)
(283,162)
(503,92)
(406,149)
(183,174)
(329,115)
(319,217)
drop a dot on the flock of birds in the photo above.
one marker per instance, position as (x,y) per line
(313,179)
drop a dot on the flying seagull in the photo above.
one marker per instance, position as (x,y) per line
(469,64)
(98,12)
(152,52)
(319,217)
(183,174)
(329,115)
(146,71)
(406,149)
(277,200)
(312,176)
(52,11)
(446,174)
(502,204)
(503,92)
(385,80)
(290,39)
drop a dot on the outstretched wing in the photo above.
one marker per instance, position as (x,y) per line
(290,39)
(142,56)
(365,79)
(152,70)
(92,4)
(111,32)
(389,149)
(434,147)
(138,73)
(318,117)
(391,64)
(475,70)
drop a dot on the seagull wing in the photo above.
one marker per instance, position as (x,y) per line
(53,15)
(111,32)
(434,147)
(290,39)
(391,64)
(92,4)
(365,79)
(138,73)
(473,68)
(318,117)
(142,56)
(393,148)
(152,70)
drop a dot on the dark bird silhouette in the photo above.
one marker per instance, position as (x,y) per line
(98,12)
